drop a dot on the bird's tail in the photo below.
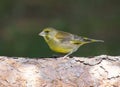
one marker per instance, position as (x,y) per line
(88,40)
(93,40)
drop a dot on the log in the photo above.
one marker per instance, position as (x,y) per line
(98,71)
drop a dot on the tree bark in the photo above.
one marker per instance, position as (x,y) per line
(99,71)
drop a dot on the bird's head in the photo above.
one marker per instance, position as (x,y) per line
(48,32)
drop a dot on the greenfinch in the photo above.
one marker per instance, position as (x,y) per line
(63,42)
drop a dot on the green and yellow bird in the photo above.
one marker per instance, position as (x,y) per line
(63,42)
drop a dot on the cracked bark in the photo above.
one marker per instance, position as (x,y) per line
(99,71)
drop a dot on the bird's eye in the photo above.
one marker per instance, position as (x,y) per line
(47,31)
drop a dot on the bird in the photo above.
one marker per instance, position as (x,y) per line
(64,42)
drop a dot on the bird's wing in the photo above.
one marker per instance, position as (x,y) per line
(68,37)
(63,36)
(74,39)
(77,40)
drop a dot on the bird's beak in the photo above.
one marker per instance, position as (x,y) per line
(41,34)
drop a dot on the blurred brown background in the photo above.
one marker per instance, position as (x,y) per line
(22,20)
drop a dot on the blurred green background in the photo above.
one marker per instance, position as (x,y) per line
(22,20)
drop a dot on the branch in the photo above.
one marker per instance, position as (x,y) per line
(100,71)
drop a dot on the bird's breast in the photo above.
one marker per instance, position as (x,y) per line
(60,47)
